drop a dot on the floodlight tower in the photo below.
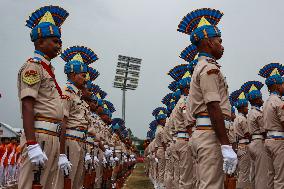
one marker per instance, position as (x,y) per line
(127,76)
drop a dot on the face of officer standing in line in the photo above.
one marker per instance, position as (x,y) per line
(50,46)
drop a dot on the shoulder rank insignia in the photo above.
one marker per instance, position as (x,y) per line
(210,60)
(34,60)
(213,71)
(31,77)
(66,97)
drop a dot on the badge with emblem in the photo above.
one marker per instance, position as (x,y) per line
(31,77)
(213,71)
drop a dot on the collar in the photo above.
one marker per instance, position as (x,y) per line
(209,58)
(206,55)
(274,93)
(72,87)
(256,108)
(42,57)
(241,114)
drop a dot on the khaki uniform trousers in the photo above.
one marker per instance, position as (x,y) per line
(99,170)
(155,171)
(152,171)
(48,174)
(187,177)
(168,178)
(243,169)
(161,165)
(76,157)
(276,152)
(263,167)
(207,148)
(176,166)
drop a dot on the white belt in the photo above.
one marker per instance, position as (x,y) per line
(90,140)
(254,137)
(183,135)
(275,134)
(243,141)
(117,151)
(75,133)
(111,148)
(203,121)
(53,127)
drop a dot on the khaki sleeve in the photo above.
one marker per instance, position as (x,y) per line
(30,80)
(280,110)
(67,104)
(209,82)
(244,126)
(260,122)
(189,119)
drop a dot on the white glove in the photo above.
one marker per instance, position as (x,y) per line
(156,160)
(132,156)
(108,153)
(88,160)
(36,155)
(96,160)
(111,160)
(64,164)
(104,161)
(230,159)
(116,159)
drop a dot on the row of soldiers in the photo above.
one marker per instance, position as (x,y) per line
(9,160)
(70,139)
(197,140)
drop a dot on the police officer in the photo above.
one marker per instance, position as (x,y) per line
(273,117)
(209,101)
(75,124)
(39,95)
(261,163)
(242,135)
(160,115)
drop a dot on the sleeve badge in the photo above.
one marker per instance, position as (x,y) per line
(213,71)
(31,77)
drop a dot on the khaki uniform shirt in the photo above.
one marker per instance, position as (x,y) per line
(208,85)
(34,81)
(189,116)
(94,128)
(240,126)
(179,112)
(255,121)
(74,108)
(273,113)
(231,132)
(159,136)
(168,130)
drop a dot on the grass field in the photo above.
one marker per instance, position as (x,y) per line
(138,179)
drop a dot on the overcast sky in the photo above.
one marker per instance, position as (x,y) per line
(252,34)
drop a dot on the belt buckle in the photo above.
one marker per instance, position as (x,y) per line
(58,128)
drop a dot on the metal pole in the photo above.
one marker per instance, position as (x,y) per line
(123,104)
(124,91)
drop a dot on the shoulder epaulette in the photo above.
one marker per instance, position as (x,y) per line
(66,97)
(210,60)
(213,71)
(34,60)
